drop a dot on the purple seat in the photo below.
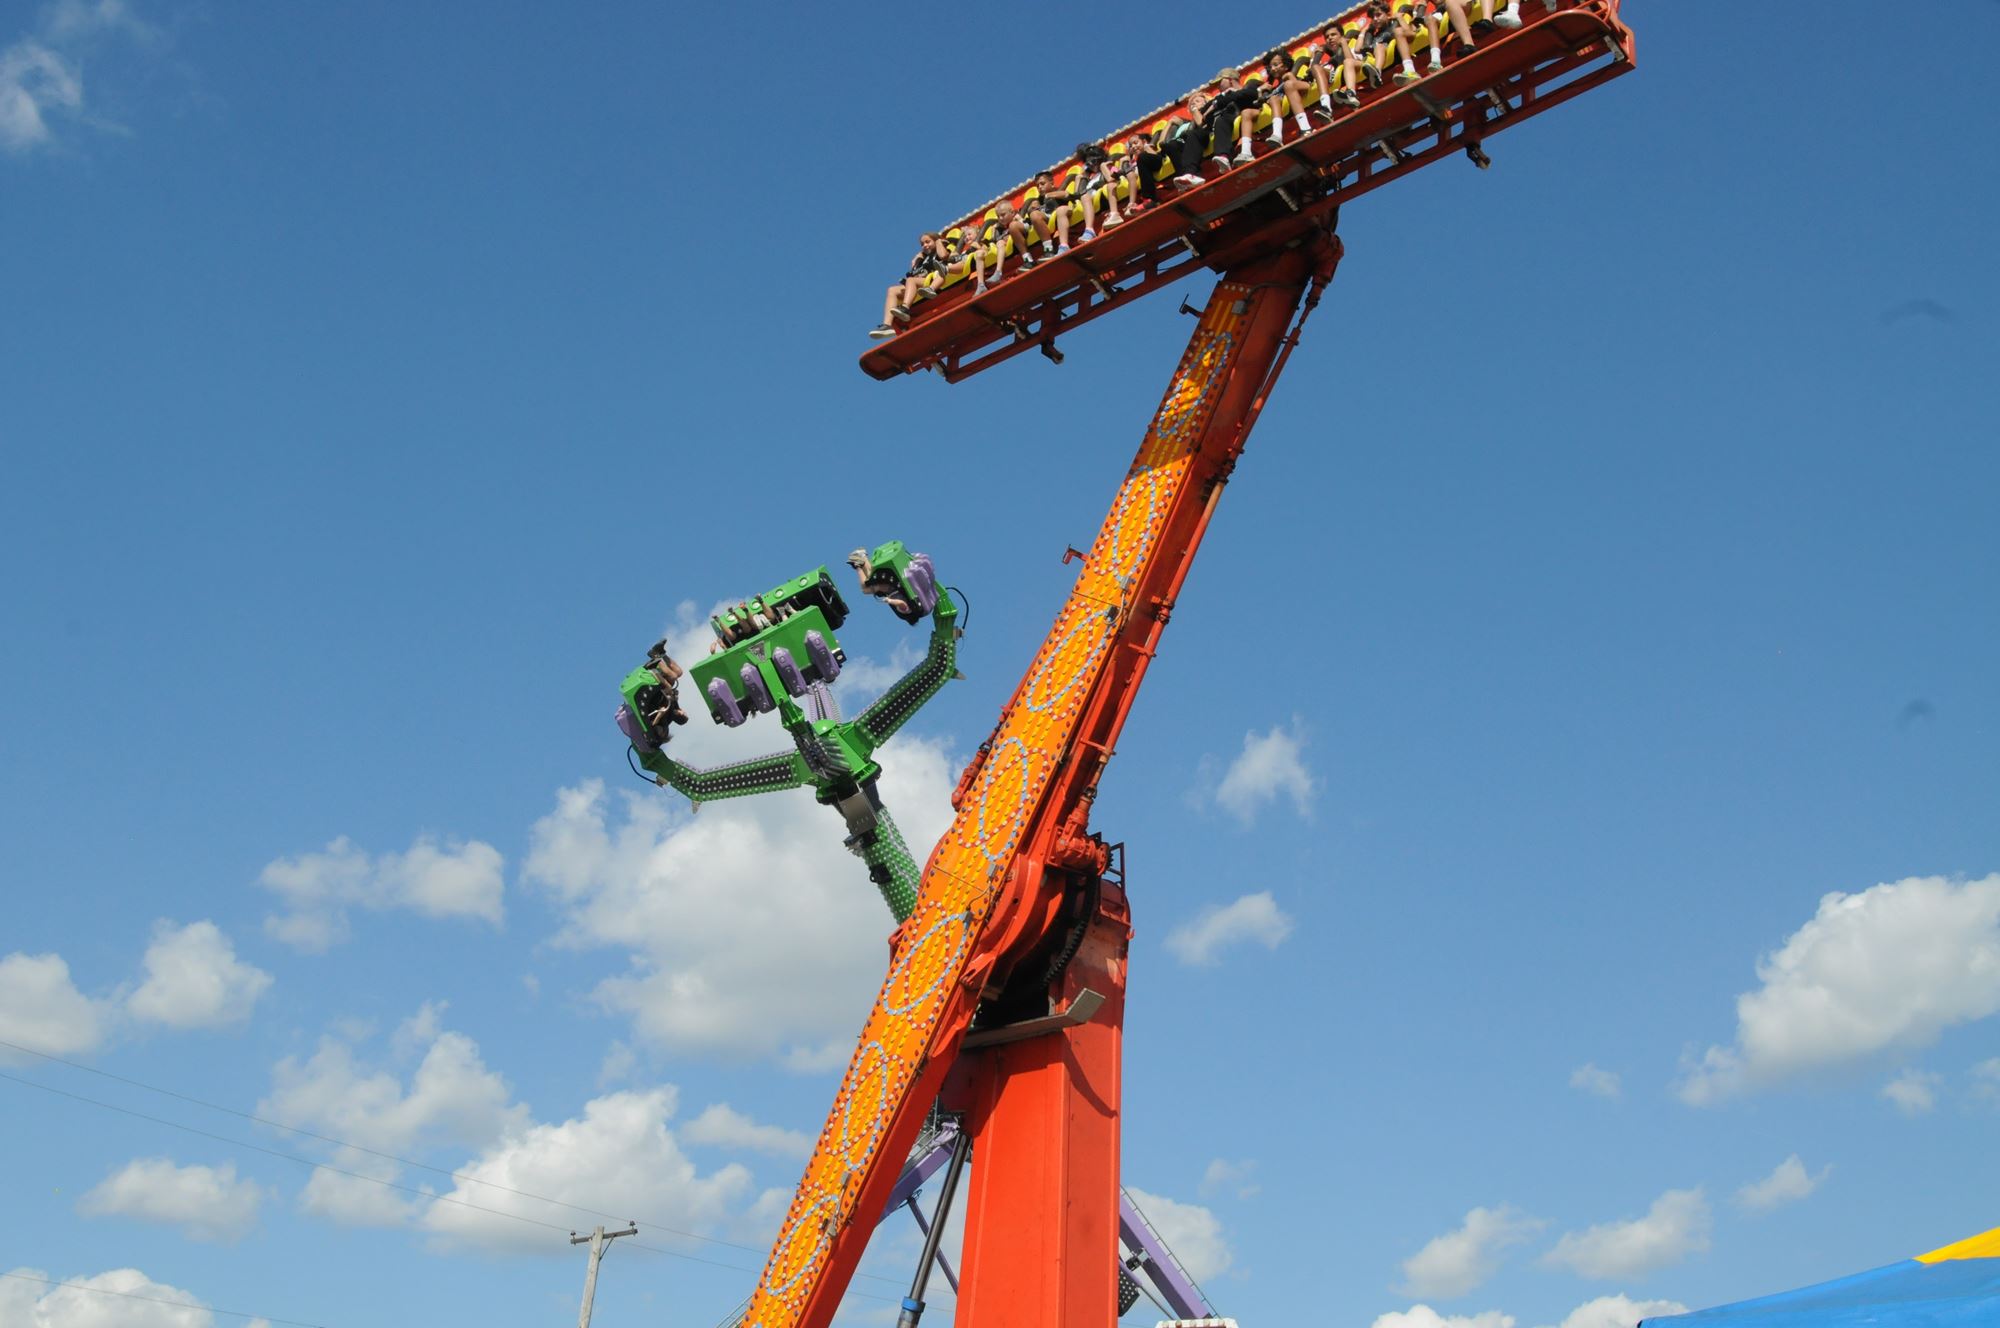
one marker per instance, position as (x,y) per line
(629,725)
(722,703)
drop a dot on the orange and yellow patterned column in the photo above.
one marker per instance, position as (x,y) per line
(923,1008)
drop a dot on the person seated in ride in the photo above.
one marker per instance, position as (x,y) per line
(658,702)
(1006,224)
(963,255)
(1048,212)
(883,584)
(1430,17)
(1096,188)
(1219,116)
(919,283)
(1284,88)
(1178,139)
(1336,68)
(1376,40)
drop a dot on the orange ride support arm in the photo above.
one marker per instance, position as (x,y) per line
(986,894)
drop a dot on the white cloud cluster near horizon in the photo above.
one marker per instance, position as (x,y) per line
(722,1126)
(1271,766)
(1423,1316)
(1676,1226)
(1464,1259)
(1619,1311)
(1194,1233)
(204,1203)
(456,880)
(621,1152)
(1888,969)
(1255,919)
(1788,1183)
(119,1298)
(192,979)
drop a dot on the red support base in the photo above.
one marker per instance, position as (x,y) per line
(1041,1220)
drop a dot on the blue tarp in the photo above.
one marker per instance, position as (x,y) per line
(1954,1293)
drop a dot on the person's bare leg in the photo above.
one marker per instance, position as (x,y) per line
(1460,24)
(889,305)
(1062,228)
(1019,230)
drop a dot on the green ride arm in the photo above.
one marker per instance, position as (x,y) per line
(738,779)
(890,866)
(939,666)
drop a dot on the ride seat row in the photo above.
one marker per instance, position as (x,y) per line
(1072,173)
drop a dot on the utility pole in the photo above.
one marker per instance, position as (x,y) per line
(599,1240)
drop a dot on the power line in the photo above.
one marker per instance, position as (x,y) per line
(390,1184)
(160,1300)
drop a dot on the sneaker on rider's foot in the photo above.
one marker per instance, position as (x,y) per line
(880,331)
(1088,235)
(1188,181)
(1507,18)
(1244,156)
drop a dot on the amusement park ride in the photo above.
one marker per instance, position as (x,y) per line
(997,1031)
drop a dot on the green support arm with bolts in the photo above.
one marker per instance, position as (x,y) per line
(777,650)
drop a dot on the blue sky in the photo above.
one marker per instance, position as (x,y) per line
(1610,582)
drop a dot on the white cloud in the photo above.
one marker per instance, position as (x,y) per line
(34,83)
(1676,1226)
(1268,768)
(711,906)
(1619,1311)
(1788,1183)
(1598,1083)
(206,1203)
(1913,1091)
(454,880)
(41,1009)
(452,1097)
(619,1062)
(1986,1081)
(1461,1261)
(619,1156)
(68,20)
(1423,1316)
(1889,968)
(1223,1174)
(353,1200)
(1252,918)
(121,1298)
(1191,1231)
(41,74)
(195,980)
(722,1126)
